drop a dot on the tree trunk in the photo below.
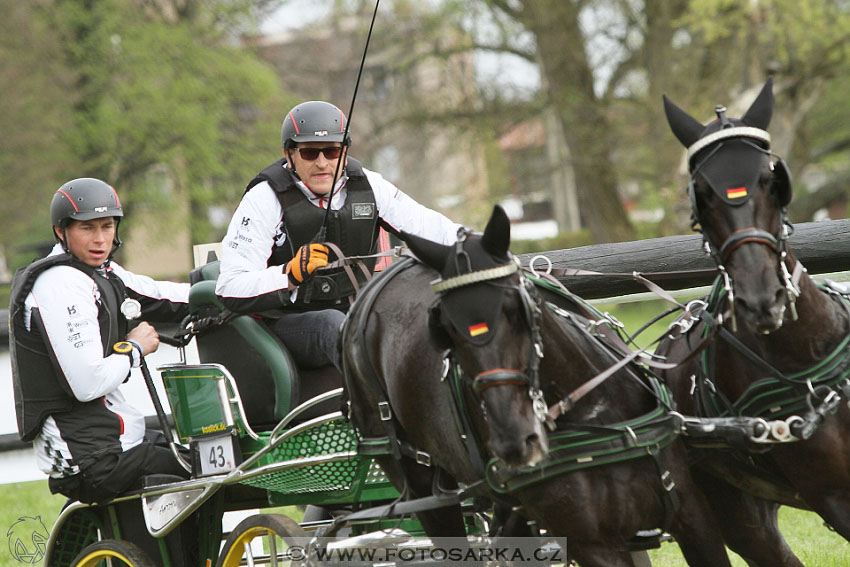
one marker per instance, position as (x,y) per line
(569,82)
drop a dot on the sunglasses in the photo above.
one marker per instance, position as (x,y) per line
(311,154)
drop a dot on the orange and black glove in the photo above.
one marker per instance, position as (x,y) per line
(307,259)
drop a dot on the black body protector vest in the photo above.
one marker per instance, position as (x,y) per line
(40,387)
(354,228)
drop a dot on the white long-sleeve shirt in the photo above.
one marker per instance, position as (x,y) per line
(257,226)
(67,302)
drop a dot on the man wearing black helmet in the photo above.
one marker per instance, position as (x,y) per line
(71,350)
(282,232)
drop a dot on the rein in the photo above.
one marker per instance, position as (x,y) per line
(628,355)
(345,262)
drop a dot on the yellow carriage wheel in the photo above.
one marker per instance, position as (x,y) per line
(112,553)
(278,534)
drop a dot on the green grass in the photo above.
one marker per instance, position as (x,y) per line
(811,541)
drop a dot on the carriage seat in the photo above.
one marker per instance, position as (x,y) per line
(257,359)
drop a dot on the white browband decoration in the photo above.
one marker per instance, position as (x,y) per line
(439,286)
(734,132)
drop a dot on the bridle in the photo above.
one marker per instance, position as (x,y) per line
(778,243)
(532,311)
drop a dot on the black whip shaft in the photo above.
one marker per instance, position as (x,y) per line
(322,234)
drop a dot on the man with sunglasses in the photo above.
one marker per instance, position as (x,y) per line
(280,233)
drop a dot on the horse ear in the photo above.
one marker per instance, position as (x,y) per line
(685,127)
(761,110)
(497,235)
(430,253)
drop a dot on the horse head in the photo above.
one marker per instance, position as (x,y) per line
(485,314)
(739,192)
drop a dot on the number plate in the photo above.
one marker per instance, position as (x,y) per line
(216,455)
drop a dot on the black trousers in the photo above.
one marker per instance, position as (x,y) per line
(107,476)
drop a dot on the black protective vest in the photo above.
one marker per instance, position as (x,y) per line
(40,387)
(354,228)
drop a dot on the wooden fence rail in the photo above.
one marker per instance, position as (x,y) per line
(822,247)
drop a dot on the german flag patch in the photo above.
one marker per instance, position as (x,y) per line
(736,193)
(479,329)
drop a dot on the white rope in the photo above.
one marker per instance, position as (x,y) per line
(734,132)
(438,286)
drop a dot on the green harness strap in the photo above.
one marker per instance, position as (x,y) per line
(771,397)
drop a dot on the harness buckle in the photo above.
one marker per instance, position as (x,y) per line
(792,289)
(667,481)
(538,405)
(632,436)
(730,293)
(690,315)
(385,411)
(423,458)
(538,349)
(594,324)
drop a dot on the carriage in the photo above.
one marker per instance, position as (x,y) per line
(283,440)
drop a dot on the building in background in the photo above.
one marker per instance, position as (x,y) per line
(543,198)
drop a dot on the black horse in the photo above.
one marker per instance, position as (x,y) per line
(777,342)
(428,374)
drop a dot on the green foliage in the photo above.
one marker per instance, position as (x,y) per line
(35,110)
(176,95)
(160,105)
(799,36)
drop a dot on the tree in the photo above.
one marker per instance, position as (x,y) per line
(34,112)
(157,98)
(805,45)
(155,87)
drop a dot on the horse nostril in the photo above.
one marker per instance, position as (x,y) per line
(532,440)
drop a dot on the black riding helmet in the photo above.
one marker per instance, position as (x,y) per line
(314,121)
(85,199)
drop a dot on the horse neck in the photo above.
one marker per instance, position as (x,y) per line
(571,358)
